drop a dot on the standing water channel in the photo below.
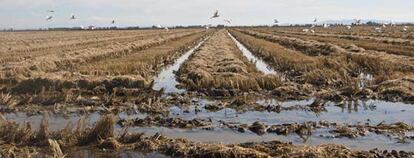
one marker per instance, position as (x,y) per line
(260,64)
(167,80)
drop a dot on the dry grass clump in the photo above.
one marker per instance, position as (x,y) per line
(7,100)
(103,129)
(110,143)
(401,89)
(279,149)
(45,91)
(13,133)
(55,149)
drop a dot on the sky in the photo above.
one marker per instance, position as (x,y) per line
(30,14)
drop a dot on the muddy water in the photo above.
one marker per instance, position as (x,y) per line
(87,153)
(166,79)
(260,64)
(354,112)
(368,111)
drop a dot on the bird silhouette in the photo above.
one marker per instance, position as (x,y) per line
(72,17)
(215,15)
(227,21)
(50,17)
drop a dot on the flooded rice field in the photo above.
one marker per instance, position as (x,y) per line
(364,113)
(216,93)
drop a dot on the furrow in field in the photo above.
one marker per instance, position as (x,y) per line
(135,70)
(55,61)
(219,68)
(340,70)
(298,67)
(146,63)
(64,46)
(373,62)
(25,41)
(392,46)
(393,33)
(311,48)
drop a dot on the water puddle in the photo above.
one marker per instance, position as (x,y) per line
(260,64)
(370,112)
(167,79)
(352,112)
(88,153)
(227,136)
(57,121)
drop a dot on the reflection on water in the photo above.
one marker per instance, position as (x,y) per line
(92,153)
(166,79)
(351,112)
(260,64)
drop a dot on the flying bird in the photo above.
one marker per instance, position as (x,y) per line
(113,22)
(215,15)
(72,17)
(276,21)
(357,21)
(315,20)
(227,21)
(50,11)
(49,17)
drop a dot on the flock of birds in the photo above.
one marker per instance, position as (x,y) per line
(216,14)
(72,16)
(349,27)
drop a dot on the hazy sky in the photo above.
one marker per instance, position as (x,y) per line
(32,13)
